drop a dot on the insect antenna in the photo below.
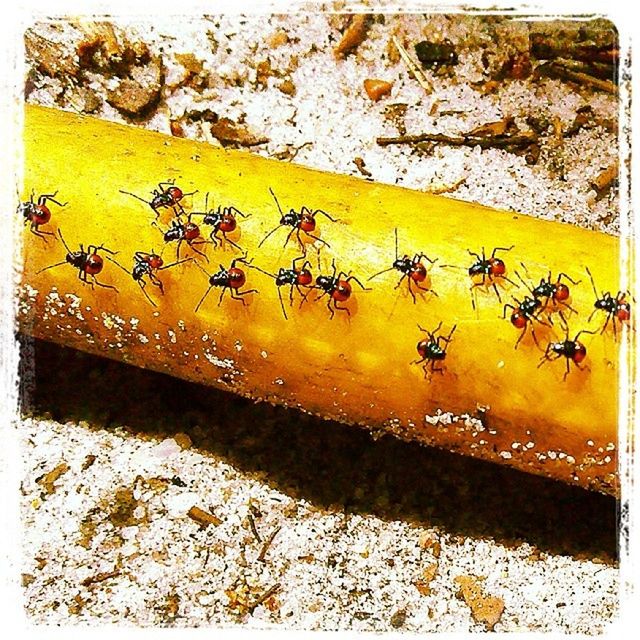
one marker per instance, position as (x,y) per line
(66,246)
(134,195)
(117,264)
(173,264)
(268,234)
(375,275)
(51,266)
(206,293)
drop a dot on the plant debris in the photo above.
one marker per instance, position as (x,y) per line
(287,87)
(485,609)
(543,48)
(100,577)
(436,54)
(267,544)
(398,619)
(229,132)
(605,179)
(561,71)
(414,69)
(516,67)
(354,35)
(359,162)
(265,596)
(493,129)
(500,142)
(424,582)
(48,480)
(202,517)
(136,96)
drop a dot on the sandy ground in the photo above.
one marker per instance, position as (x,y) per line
(314,525)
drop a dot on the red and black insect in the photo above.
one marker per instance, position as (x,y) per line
(572,350)
(304,221)
(38,213)
(552,293)
(411,268)
(617,309)
(166,196)
(88,263)
(523,315)
(491,269)
(188,232)
(223,220)
(337,286)
(147,265)
(296,276)
(231,279)
(433,349)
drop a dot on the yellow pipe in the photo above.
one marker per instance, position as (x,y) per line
(353,368)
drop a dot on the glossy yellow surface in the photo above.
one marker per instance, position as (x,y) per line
(356,368)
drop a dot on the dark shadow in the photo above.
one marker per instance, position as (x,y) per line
(331,465)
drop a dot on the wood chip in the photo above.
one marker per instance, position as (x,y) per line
(136,96)
(497,128)
(376,89)
(278,39)
(229,132)
(354,35)
(359,162)
(100,577)
(176,128)
(484,609)
(50,58)
(203,517)
(424,582)
(88,461)
(287,87)
(438,189)
(47,481)
(606,178)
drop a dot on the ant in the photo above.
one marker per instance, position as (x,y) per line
(524,312)
(294,277)
(303,221)
(616,308)
(166,196)
(411,268)
(181,232)
(147,264)
(232,278)
(489,268)
(38,213)
(88,263)
(337,287)
(431,350)
(555,292)
(222,220)
(572,350)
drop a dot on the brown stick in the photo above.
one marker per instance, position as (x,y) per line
(557,70)
(267,544)
(267,594)
(99,577)
(522,140)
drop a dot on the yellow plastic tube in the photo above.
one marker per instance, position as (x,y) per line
(359,366)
